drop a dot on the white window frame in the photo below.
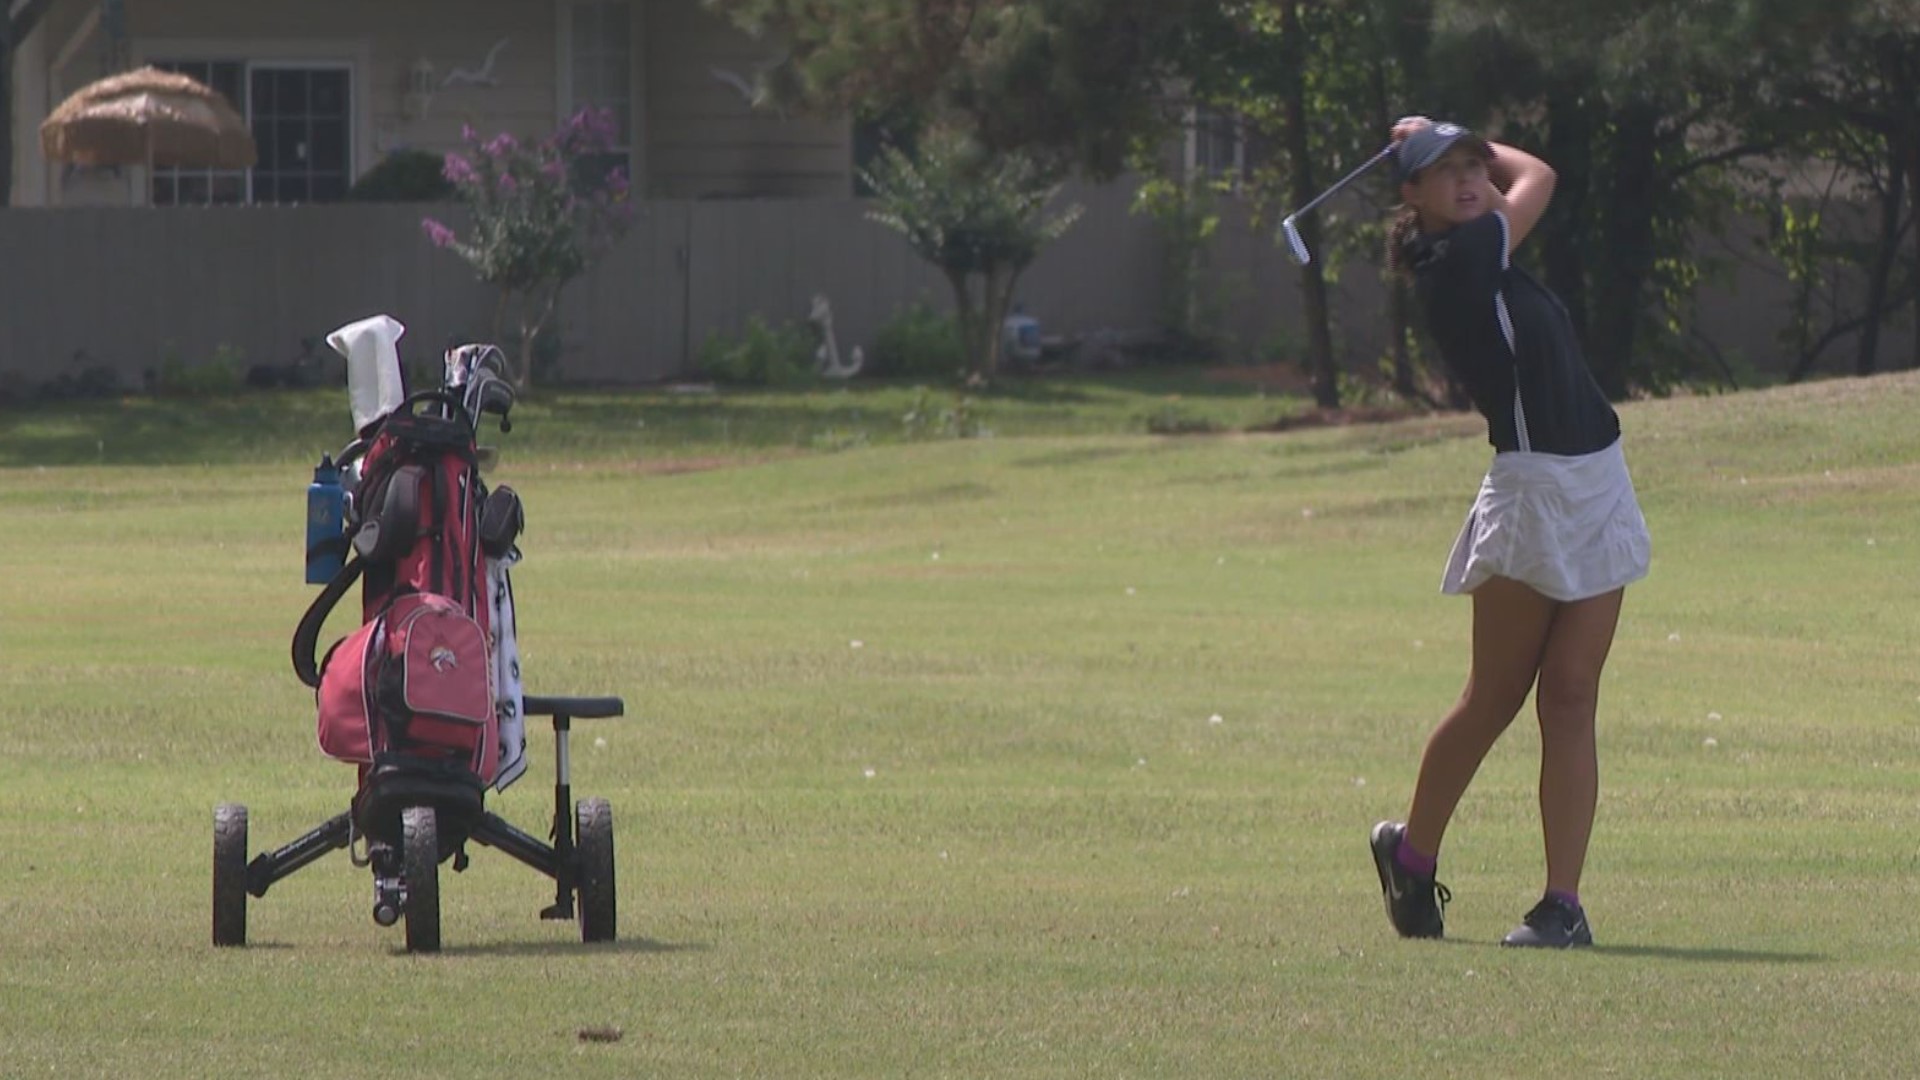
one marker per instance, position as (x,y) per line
(353,55)
(1236,173)
(564,106)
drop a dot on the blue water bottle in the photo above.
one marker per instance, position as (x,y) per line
(326,522)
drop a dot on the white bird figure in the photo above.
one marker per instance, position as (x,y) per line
(481,76)
(750,93)
(827,356)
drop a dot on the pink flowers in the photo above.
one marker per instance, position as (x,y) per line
(440,235)
(541,210)
(457,170)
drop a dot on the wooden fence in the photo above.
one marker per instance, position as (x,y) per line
(132,289)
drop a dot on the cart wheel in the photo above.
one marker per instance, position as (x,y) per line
(421,838)
(593,846)
(229,874)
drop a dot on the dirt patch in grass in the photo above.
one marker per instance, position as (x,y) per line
(1284,378)
(1347,417)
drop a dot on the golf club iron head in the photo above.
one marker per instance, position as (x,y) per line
(1300,253)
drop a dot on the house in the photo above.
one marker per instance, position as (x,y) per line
(331,88)
(741,211)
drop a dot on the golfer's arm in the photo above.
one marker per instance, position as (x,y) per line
(1526,186)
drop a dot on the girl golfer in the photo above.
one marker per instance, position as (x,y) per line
(1552,540)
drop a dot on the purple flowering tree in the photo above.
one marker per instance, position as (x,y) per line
(539,217)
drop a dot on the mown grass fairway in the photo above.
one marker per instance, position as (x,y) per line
(1039,755)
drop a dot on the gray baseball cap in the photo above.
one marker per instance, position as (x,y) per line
(1424,147)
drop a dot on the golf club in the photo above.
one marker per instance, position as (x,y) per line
(1294,240)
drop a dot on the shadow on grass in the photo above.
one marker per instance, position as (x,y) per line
(1662,952)
(1709,955)
(624,946)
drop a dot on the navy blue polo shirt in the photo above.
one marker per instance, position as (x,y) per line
(1510,342)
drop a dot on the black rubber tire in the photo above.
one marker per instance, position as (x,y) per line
(420,838)
(229,874)
(598,901)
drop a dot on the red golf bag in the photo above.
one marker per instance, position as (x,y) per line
(416,679)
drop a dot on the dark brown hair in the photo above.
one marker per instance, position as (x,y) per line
(1400,234)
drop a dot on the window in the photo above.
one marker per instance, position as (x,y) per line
(1219,145)
(301,124)
(302,121)
(205,187)
(599,71)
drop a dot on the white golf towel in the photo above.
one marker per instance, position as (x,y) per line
(375,385)
(506,672)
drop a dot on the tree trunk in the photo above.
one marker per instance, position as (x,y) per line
(1623,263)
(967,318)
(1886,250)
(1313,286)
(999,302)
(1399,309)
(536,311)
(1901,147)
(1569,150)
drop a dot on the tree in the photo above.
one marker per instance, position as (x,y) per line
(538,219)
(1858,111)
(1314,80)
(979,218)
(1644,107)
(1007,98)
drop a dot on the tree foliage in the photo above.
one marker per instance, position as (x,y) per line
(1006,98)
(537,219)
(980,218)
(1321,84)
(1071,84)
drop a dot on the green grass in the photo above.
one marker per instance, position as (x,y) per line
(1002,835)
(657,425)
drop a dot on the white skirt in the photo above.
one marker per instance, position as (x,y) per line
(1570,527)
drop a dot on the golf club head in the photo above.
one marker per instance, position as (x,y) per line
(1300,253)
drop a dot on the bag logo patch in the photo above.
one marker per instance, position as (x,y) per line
(443,659)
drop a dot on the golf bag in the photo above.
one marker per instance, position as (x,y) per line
(417,680)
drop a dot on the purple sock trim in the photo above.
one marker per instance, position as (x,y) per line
(1572,900)
(1413,861)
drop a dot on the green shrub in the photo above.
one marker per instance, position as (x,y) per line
(761,355)
(225,373)
(917,340)
(1171,419)
(405,176)
(959,420)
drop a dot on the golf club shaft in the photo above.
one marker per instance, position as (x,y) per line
(1345,180)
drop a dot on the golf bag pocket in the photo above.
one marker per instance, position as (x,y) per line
(501,520)
(416,679)
(433,683)
(390,524)
(346,714)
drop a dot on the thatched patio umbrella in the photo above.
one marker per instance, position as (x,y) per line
(148,117)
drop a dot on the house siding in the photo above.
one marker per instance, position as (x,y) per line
(705,140)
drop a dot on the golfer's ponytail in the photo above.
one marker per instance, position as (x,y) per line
(1406,226)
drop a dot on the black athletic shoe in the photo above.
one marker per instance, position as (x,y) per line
(1415,905)
(1552,924)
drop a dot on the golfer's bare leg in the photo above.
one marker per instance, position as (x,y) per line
(1510,622)
(1577,645)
